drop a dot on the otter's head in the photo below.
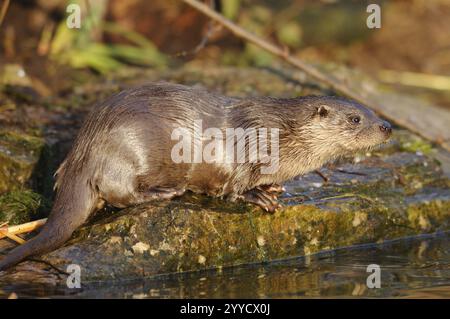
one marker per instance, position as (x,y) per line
(340,126)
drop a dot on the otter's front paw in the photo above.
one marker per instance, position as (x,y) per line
(263,197)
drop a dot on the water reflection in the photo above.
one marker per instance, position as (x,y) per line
(414,268)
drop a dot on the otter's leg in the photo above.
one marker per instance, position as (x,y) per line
(158,193)
(265,196)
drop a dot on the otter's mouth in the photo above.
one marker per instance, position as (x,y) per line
(368,140)
(386,139)
(385,130)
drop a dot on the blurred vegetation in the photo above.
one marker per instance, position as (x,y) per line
(115,33)
(79,48)
(230,8)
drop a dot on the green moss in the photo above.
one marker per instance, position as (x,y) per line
(417,146)
(416,177)
(21,141)
(429,215)
(18,207)
(405,141)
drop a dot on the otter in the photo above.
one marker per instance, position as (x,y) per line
(123,153)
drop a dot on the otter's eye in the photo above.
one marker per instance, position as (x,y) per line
(355,119)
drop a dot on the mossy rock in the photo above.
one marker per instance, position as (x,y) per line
(19,155)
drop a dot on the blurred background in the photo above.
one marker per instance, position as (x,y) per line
(410,51)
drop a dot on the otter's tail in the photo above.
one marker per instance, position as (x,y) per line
(73,204)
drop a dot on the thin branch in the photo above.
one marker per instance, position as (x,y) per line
(325,178)
(199,46)
(13,237)
(350,172)
(3,11)
(204,40)
(22,228)
(49,264)
(275,50)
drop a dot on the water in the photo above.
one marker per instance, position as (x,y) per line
(410,268)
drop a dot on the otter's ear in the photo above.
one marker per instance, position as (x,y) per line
(322,110)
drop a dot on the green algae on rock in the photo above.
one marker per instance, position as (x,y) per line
(176,237)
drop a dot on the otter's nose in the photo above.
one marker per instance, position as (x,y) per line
(386,127)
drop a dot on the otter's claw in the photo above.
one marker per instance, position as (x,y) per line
(264,199)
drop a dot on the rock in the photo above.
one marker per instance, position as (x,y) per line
(19,155)
(140,248)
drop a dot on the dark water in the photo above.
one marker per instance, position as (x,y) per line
(414,268)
